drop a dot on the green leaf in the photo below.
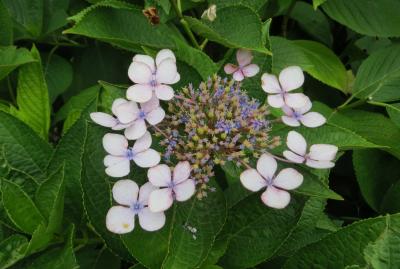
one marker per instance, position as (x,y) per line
(248,33)
(317,3)
(58,73)
(394,113)
(90,257)
(186,249)
(70,152)
(60,257)
(97,190)
(384,252)
(54,15)
(376,172)
(313,57)
(94,22)
(32,97)
(11,58)
(256,231)
(378,77)
(255,4)
(12,249)
(342,248)
(28,17)
(6,30)
(20,208)
(312,21)
(373,18)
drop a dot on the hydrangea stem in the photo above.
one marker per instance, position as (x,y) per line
(177,7)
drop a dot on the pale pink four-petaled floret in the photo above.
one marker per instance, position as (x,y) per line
(275,195)
(120,219)
(296,116)
(173,186)
(152,77)
(120,155)
(320,156)
(245,67)
(279,90)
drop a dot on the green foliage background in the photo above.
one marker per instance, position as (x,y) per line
(62,59)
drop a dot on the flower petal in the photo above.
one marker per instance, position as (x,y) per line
(111,160)
(291,156)
(151,221)
(143,143)
(125,192)
(181,172)
(306,107)
(166,71)
(150,105)
(266,166)
(323,152)
(140,72)
(116,103)
(149,61)
(319,164)
(164,54)
(164,92)
(120,169)
(296,100)
(275,100)
(275,198)
(251,70)
(145,191)
(115,144)
(156,116)
(120,220)
(290,121)
(159,175)
(103,119)
(139,93)
(147,158)
(288,179)
(230,68)
(296,143)
(243,57)
(238,75)
(176,79)
(184,190)
(252,180)
(120,126)
(126,112)
(136,130)
(312,119)
(160,200)
(270,83)
(291,78)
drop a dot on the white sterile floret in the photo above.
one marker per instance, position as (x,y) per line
(296,116)
(320,156)
(152,77)
(177,186)
(275,195)
(245,67)
(120,219)
(134,116)
(118,161)
(290,78)
(108,120)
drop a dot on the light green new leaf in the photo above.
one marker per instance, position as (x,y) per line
(378,78)
(248,33)
(20,208)
(12,249)
(33,97)
(11,58)
(368,17)
(317,3)
(313,57)
(342,248)
(385,251)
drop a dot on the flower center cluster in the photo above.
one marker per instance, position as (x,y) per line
(215,124)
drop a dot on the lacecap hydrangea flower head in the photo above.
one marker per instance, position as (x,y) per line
(201,127)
